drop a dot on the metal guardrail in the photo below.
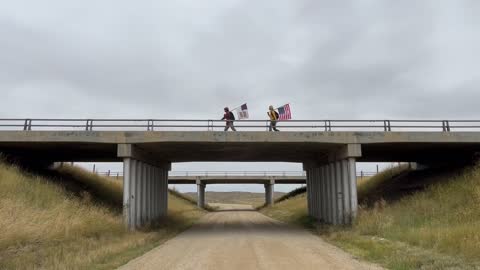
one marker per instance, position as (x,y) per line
(237,173)
(360,174)
(246,125)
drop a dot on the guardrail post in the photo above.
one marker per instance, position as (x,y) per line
(446,126)
(28,124)
(210,125)
(89,125)
(387,125)
(150,125)
(328,125)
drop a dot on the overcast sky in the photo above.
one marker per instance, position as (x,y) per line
(188,59)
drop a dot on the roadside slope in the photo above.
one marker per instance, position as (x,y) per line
(71,219)
(408,220)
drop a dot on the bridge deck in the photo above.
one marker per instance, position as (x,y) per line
(237,179)
(185,146)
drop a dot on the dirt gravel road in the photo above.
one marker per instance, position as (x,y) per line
(245,239)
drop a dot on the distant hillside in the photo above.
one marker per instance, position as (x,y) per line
(249,198)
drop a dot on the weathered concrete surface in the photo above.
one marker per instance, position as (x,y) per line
(176,146)
(145,193)
(245,240)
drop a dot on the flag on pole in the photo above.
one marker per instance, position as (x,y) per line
(243,112)
(284,112)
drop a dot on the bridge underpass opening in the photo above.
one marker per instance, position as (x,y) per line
(238,178)
(256,177)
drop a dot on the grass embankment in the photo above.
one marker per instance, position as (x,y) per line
(71,219)
(408,220)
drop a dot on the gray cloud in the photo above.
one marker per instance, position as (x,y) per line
(188,59)
(348,59)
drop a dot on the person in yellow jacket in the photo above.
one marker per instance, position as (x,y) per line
(273,118)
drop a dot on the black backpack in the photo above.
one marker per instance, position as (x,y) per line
(276,115)
(232,116)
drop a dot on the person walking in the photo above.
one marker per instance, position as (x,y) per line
(273,118)
(229,117)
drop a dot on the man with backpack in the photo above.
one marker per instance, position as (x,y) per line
(229,117)
(273,118)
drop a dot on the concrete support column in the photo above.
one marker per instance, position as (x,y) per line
(145,192)
(340,192)
(151,190)
(155,193)
(163,191)
(332,186)
(344,196)
(201,194)
(352,173)
(309,190)
(318,194)
(311,176)
(269,194)
(323,193)
(333,192)
(346,191)
(315,193)
(328,202)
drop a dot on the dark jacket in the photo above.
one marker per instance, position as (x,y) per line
(228,116)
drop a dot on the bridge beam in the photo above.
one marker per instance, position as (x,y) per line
(332,187)
(145,189)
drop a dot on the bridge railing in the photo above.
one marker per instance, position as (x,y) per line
(241,125)
(237,173)
(360,174)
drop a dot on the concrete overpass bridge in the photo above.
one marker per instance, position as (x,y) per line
(203,178)
(327,149)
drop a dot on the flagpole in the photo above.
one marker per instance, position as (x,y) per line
(237,107)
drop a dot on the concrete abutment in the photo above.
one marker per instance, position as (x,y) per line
(332,186)
(145,188)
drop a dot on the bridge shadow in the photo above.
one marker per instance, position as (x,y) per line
(234,210)
(239,223)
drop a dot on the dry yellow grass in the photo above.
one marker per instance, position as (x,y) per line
(43,226)
(437,228)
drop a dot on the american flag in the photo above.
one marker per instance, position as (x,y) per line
(243,112)
(284,112)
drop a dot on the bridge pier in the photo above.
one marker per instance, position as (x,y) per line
(145,188)
(269,192)
(332,187)
(201,194)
